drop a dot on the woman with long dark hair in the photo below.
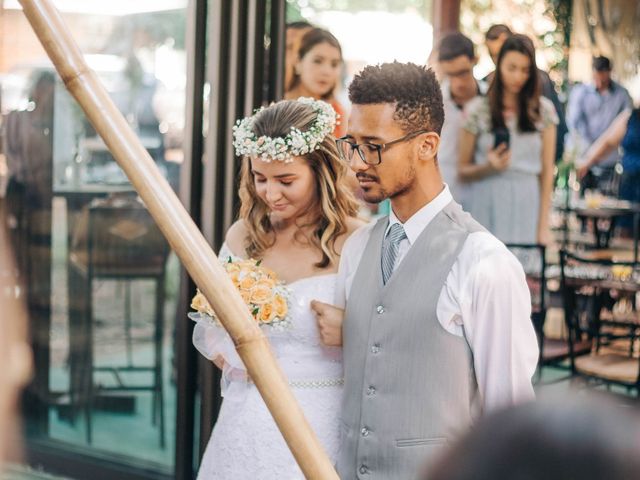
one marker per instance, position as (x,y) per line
(507,149)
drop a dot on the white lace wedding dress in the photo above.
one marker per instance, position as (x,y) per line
(246,443)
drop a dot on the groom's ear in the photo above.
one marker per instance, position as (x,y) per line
(428,148)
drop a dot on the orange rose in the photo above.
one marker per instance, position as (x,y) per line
(231,267)
(246,296)
(261,293)
(266,313)
(200,303)
(270,274)
(235,278)
(247,282)
(280,306)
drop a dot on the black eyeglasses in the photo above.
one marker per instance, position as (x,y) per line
(370,153)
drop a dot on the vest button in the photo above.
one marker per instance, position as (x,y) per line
(380,309)
(371,390)
(365,432)
(375,348)
(363,469)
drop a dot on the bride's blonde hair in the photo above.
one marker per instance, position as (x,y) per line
(335,201)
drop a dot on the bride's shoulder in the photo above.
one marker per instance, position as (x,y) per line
(352,224)
(236,238)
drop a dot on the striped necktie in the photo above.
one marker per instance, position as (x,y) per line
(390,249)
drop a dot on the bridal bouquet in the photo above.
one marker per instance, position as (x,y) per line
(265,295)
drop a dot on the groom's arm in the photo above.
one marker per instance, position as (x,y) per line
(497,322)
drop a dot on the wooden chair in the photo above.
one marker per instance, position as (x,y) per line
(591,289)
(118,240)
(533,260)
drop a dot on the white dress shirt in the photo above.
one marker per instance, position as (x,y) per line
(449,142)
(485,298)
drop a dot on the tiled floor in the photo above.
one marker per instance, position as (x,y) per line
(19,472)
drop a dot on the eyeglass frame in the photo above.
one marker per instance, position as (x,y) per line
(378,147)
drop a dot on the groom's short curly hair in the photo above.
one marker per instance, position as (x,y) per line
(412,88)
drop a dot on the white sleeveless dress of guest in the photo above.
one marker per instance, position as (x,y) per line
(246,443)
(507,203)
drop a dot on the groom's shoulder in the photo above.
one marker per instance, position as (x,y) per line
(483,248)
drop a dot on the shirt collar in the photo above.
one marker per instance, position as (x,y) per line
(447,97)
(414,226)
(611,89)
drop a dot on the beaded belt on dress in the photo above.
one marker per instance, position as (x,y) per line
(332,382)
(324,383)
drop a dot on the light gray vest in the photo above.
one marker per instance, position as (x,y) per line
(410,385)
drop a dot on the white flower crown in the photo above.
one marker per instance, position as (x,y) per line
(294,144)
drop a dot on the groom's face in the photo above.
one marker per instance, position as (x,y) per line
(395,175)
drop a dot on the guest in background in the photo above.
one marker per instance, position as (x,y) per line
(548,440)
(28,143)
(494,39)
(456,59)
(294,33)
(592,109)
(15,354)
(624,132)
(317,72)
(507,148)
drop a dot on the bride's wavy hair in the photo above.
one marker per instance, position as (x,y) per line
(334,202)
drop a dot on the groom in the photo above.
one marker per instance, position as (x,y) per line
(437,327)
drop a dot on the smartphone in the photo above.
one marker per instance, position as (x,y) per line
(501,135)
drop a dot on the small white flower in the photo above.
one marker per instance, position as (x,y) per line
(295,143)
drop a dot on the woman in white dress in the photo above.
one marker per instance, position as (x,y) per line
(296,212)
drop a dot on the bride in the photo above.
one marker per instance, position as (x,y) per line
(296,212)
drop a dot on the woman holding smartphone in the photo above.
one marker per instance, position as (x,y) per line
(507,149)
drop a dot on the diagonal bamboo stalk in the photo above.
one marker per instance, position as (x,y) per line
(183,235)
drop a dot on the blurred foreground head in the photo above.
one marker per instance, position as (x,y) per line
(560,440)
(15,354)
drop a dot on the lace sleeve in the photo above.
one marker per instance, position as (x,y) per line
(225,253)
(213,342)
(476,116)
(548,114)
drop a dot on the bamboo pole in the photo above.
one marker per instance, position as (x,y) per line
(183,235)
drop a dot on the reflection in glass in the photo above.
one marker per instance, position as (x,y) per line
(99,277)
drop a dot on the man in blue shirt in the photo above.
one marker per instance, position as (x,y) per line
(591,110)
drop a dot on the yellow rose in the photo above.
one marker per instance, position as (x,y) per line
(262,292)
(235,277)
(270,274)
(247,282)
(622,272)
(246,296)
(231,267)
(199,303)
(280,306)
(266,313)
